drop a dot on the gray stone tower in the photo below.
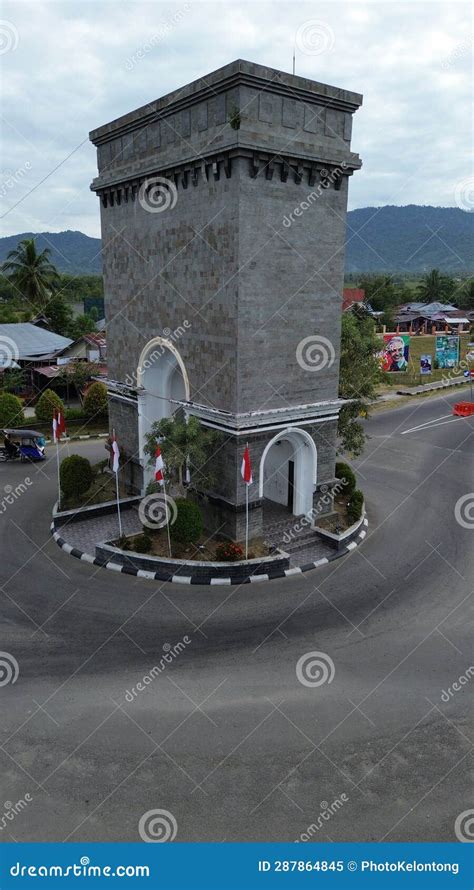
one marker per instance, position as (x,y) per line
(223,209)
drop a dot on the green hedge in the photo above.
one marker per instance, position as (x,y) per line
(75,475)
(11,411)
(188,526)
(343,471)
(354,507)
(47,404)
(95,401)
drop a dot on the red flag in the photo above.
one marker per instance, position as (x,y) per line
(56,433)
(61,424)
(246,468)
(159,466)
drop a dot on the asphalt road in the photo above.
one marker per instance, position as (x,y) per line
(226,738)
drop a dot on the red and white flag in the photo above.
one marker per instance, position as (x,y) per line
(246,468)
(159,466)
(115,454)
(59,425)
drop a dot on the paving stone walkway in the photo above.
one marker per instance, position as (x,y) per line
(84,535)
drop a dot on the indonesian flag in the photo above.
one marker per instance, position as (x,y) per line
(159,466)
(246,468)
(59,425)
(115,454)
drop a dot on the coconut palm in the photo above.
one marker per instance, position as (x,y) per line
(32,273)
(435,287)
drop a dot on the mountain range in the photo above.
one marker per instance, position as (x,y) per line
(409,239)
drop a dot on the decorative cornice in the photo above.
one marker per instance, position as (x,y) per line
(218,165)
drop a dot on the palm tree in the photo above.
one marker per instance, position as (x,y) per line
(30,272)
(435,287)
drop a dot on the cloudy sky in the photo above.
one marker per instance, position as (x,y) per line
(68,67)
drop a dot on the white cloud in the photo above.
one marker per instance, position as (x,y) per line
(71,72)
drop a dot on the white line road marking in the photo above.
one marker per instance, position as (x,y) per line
(434,424)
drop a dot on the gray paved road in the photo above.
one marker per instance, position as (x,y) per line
(226,738)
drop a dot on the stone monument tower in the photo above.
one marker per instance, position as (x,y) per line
(223,209)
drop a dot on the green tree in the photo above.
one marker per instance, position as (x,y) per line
(95,401)
(435,287)
(11,380)
(83,324)
(359,375)
(465,299)
(11,411)
(180,441)
(31,273)
(78,373)
(380,292)
(59,315)
(47,404)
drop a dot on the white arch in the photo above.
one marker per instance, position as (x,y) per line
(160,344)
(306,467)
(161,376)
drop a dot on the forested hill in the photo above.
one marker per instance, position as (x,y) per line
(395,239)
(410,239)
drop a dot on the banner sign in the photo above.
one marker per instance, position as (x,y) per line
(426,364)
(225,866)
(396,351)
(447,350)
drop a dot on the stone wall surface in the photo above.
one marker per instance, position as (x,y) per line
(243,265)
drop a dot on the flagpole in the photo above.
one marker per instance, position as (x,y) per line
(59,476)
(247,518)
(118,494)
(166,514)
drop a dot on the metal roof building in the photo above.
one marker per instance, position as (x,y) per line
(27,341)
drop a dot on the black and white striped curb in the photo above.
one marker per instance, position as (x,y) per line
(190,579)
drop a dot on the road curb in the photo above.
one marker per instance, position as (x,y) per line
(190,579)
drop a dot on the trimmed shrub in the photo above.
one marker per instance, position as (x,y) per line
(343,471)
(188,526)
(229,552)
(75,475)
(74,414)
(354,507)
(95,400)
(11,411)
(142,544)
(47,404)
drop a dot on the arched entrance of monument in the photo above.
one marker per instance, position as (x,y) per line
(288,474)
(162,374)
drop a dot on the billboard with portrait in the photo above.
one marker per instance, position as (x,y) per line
(396,350)
(426,364)
(447,350)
